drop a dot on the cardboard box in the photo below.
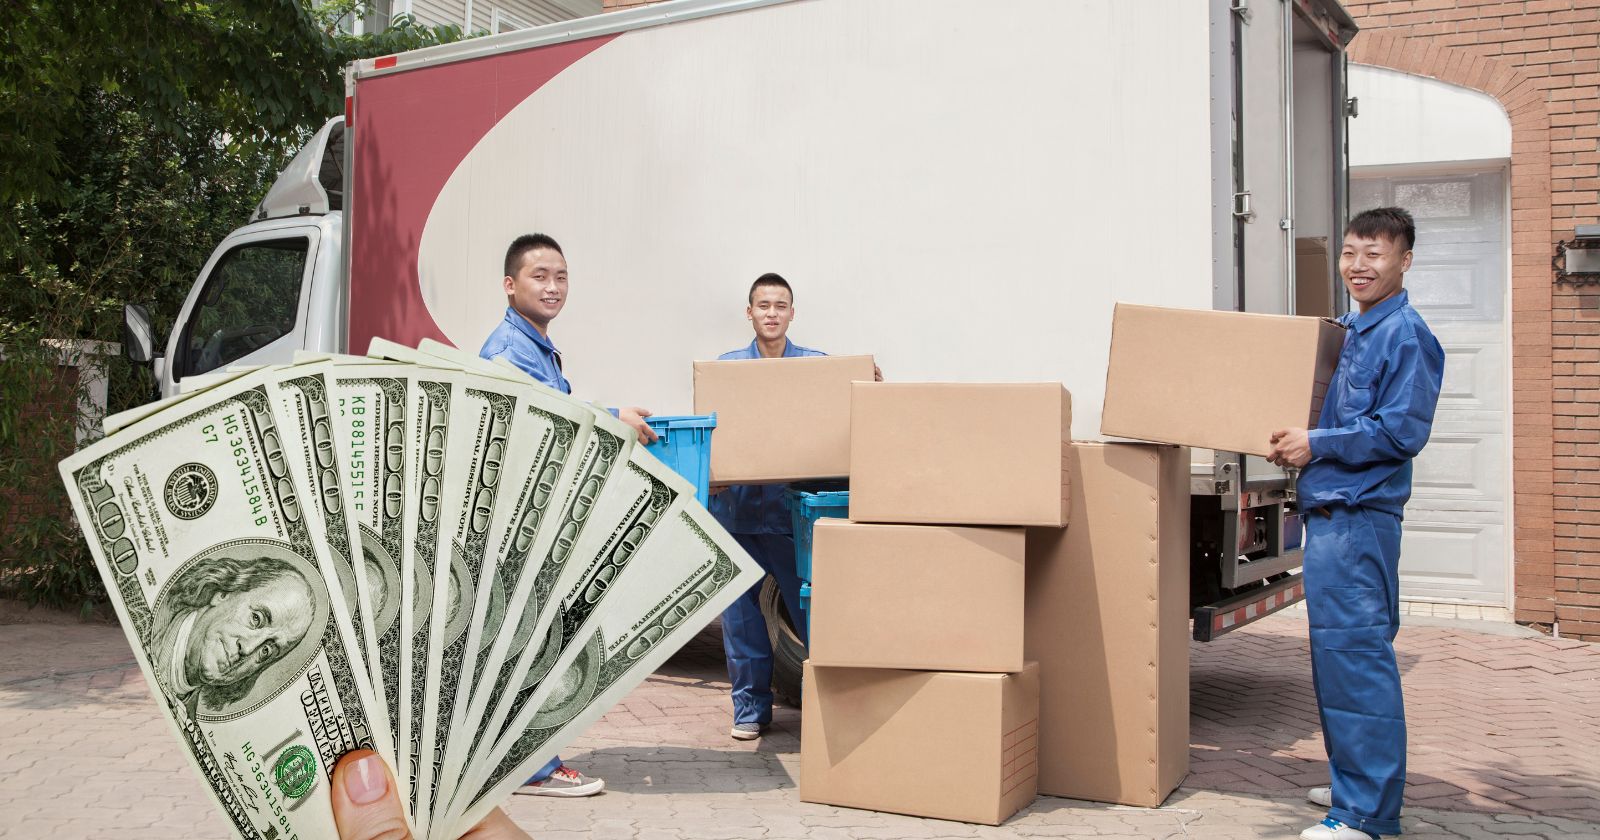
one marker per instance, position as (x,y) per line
(926,743)
(1216,380)
(1108,623)
(960,454)
(779,420)
(1313,277)
(929,597)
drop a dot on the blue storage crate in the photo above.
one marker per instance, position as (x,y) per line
(806,506)
(805,606)
(684,444)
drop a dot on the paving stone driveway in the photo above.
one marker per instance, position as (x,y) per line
(1505,741)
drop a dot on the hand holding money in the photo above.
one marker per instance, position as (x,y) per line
(366,805)
(425,556)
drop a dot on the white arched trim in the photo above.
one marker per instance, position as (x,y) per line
(1407,119)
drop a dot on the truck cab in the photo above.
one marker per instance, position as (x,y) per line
(269,288)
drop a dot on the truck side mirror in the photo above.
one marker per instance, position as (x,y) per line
(138,337)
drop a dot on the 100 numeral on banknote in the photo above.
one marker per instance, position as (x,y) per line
(225,587)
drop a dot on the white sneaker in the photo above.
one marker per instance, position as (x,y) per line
(1320,796)
(746,731)
(1332,829)
(565,781)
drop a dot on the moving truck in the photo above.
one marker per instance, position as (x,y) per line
(962,188)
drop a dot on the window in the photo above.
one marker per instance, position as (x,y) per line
(503,21)
(250,300)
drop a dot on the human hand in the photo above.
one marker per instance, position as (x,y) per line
(1290,448)
(877,374)
(366,805)
(634,416)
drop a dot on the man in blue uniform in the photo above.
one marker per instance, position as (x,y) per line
(1354,487)
(536,290)
(758,517)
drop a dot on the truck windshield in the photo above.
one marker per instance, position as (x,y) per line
(250,300)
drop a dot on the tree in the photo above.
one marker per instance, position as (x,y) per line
(133,137)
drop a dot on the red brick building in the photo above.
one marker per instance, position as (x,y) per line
(1540,60)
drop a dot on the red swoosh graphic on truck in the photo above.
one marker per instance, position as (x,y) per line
(412,129)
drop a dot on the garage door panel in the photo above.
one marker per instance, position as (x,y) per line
(1454,465)
(1432,555)
(1456,524)
(1458,287)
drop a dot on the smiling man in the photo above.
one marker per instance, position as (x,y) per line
(536,286)
(1353,489)
(757,516)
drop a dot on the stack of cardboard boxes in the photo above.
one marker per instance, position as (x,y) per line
(918,696)
(1007,611)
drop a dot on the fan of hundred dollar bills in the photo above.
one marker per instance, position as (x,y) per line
(416,552)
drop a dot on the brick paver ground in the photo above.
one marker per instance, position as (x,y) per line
(1505,741)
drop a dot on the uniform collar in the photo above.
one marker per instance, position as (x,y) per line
(755,348)
(520,323)
(1367,320)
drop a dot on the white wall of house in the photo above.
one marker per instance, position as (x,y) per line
(496,15)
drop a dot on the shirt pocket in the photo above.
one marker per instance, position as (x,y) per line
(1360,393)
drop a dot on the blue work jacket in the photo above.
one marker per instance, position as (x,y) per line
(756,508)
(1378,411)
(516,341)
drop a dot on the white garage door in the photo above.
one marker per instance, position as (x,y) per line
(1457,524)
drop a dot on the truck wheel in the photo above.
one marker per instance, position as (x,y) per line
(787,652)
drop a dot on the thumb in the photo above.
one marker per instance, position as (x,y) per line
(366,805)
(642,412)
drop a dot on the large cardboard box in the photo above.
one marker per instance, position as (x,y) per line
(779,420)
(929,597)
(1313,277)
(960,454)
(932,744)
(1217,380)
(1108,623)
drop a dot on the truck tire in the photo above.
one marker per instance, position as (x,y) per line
(787,652)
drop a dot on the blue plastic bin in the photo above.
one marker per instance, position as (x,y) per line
(806,506)
(684,444)
(805,606)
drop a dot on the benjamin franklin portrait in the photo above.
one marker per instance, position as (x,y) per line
(224,621)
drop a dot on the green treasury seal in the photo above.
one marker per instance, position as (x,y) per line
(295,772)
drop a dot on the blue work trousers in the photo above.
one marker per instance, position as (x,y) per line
(545,771)
(744,630)
(1352,578)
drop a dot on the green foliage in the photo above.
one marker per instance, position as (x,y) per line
(133,137)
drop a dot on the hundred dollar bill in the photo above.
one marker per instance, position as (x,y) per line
(220,575)
(634,502)
(424,519)
(685,574)
(483,421)
(539,461)
(559,431)
(373,403)
(332,449)
(522,657)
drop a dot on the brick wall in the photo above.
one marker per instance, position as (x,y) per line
(1541,60)
(52,411)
